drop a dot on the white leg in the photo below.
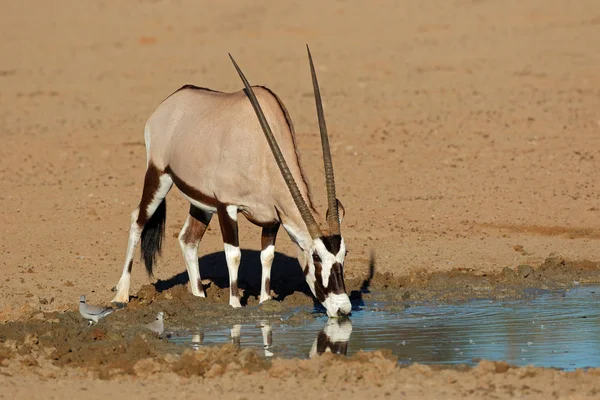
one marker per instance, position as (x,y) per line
(135,231)
(266,260)
(229,229)
(189,240)
(268,237)
(233,256)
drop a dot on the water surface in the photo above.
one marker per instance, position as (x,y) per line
(560,330)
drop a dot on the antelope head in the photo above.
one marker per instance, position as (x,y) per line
(323,255)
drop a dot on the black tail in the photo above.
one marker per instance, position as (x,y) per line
(152,236)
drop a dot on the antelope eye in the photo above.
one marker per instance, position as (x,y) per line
(316,258)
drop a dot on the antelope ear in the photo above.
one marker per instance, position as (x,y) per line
(341,211)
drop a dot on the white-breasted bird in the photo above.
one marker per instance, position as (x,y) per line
(158,325)
(91,312)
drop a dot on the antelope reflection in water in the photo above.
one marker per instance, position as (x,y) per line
(333,338)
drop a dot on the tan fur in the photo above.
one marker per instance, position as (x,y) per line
(212,141)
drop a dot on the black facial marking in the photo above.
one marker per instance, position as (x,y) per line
(332,243)
(320,291)
(336,280)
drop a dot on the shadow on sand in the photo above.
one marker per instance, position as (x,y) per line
(286,277)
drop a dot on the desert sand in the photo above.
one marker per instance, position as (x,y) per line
(465,135)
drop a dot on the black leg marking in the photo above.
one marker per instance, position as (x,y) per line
(189,240)
(269,235)
(229,227)
(197,225)
(151,185)
(234,289)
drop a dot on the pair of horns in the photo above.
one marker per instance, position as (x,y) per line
(309,220)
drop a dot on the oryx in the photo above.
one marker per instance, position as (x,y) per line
(212,146)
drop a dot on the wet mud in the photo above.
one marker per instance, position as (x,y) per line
(120,342)
(515,282)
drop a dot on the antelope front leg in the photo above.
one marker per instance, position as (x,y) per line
(189,240)
(269,234)
(231,244)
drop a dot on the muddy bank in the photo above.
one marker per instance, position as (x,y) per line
(463,284)
(234,375)
(119,342)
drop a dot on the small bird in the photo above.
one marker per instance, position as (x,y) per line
(91,312)
(158,325)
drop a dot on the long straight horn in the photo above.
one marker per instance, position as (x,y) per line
(309,220)
(333,219)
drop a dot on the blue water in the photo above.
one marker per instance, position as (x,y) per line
(560,330)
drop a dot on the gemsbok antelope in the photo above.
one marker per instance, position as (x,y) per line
(212,146)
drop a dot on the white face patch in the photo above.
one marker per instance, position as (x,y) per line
(328,259)
(341,255)
(337,302)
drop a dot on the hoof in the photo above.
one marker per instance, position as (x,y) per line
(235,302)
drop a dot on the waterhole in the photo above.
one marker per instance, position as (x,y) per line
(557,329)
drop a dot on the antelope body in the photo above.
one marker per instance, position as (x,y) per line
(212,146)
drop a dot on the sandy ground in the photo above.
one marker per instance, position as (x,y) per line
(465,135)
